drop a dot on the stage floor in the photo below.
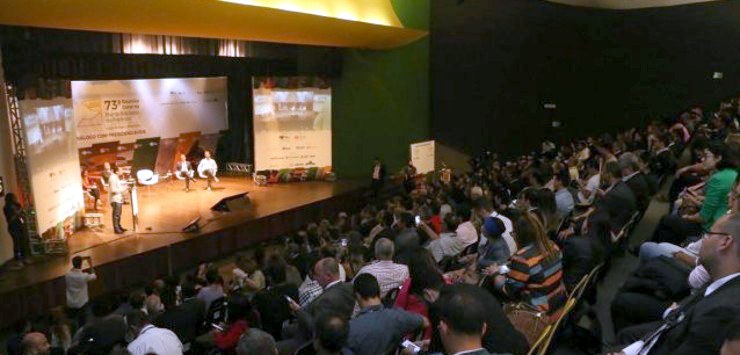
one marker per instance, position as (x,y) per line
(164,209)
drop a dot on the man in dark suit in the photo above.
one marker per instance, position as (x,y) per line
(662,162)
(378,176)
(611,210)
(695,326)
(635,180)
(184,170)
(338,297)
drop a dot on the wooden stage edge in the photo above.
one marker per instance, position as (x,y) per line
(161,249)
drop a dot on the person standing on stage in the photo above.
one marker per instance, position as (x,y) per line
(116,188)
(207,168)
(105,176)
(378,176)
(17,228)
(185,171)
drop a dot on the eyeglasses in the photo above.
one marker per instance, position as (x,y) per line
(710,233)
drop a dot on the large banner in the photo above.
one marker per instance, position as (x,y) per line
(422,156)
(292,123)
(127,110)
(148,123)
(53,164)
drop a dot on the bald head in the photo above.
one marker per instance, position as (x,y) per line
(384,249)
(326,271)
(35,343)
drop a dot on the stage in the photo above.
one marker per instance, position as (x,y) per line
(161,248)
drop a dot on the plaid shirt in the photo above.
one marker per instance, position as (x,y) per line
(389,274)
(308,291)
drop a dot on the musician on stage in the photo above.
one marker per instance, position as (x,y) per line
(184,170)
(207,168)
(116,189)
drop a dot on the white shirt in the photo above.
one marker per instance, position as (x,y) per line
(509,227)
(156,341)
(591,185)
(639,347)
(76,281)
(332,284)
(183,166)
(115,189)
(207,164)
(376,172)
(626,178)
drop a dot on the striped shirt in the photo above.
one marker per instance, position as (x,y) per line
(537,280)
(389,274)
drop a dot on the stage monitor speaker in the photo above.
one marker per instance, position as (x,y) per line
(192,227)
(238,202)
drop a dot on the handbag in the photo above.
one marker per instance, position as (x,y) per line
(528,320)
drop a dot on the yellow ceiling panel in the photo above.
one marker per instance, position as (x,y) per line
(217,19)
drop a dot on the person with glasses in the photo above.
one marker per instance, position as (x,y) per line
(692,326)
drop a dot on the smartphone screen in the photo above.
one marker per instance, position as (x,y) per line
(418,220)
(217,327)
(409,345)
(503,270)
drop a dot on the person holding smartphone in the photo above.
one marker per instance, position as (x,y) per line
(76,282)
(535,276)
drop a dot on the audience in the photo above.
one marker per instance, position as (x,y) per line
(376,329)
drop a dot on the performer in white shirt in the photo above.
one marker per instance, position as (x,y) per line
(207,168)
(116,188)
(184,170)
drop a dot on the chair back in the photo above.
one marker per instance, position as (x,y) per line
(306,349)
(217,311)
(557,326)
(144,175)
(540,341)
(390,298)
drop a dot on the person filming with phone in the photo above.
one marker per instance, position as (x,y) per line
(76,284)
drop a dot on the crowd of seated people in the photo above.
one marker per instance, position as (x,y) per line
(443,264)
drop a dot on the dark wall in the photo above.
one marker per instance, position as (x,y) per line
(495,63)
(381,100)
